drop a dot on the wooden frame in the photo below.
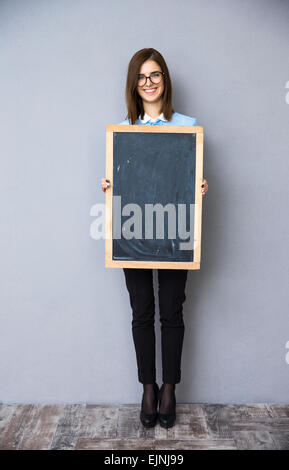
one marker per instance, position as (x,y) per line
(109,261)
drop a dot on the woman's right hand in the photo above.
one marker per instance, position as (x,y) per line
(105,183)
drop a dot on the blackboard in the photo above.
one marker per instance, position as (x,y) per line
(154,169)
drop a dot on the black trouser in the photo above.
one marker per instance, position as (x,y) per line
(171,292)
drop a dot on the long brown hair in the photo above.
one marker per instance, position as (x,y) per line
(133,99)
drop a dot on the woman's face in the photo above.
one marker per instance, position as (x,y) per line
(150,92)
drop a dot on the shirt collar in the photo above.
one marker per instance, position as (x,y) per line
(147,118)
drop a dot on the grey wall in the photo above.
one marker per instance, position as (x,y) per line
(66,319)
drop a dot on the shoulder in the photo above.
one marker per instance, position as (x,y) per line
(184,120)
(125,122)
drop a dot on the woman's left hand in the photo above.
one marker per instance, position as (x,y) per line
(204,187)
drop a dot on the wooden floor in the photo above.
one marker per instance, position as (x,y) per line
(117,427)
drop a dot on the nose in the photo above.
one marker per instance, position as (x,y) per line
(149,85)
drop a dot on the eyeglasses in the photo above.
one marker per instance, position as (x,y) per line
(155,77)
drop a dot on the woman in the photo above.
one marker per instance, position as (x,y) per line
(149,101)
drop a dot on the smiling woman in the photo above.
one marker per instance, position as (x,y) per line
(149,102)
(148,86)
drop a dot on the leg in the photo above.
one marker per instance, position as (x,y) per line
(139,283)
(172,283)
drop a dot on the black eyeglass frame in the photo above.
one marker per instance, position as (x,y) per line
(149,76)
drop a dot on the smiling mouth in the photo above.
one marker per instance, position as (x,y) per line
(150,91)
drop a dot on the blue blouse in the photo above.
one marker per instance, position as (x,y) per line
(176,120)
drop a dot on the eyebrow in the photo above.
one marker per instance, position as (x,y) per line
(151,72)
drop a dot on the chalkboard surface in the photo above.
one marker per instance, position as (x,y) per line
(153,168)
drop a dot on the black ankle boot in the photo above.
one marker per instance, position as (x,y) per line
(167,420)
(150,420)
